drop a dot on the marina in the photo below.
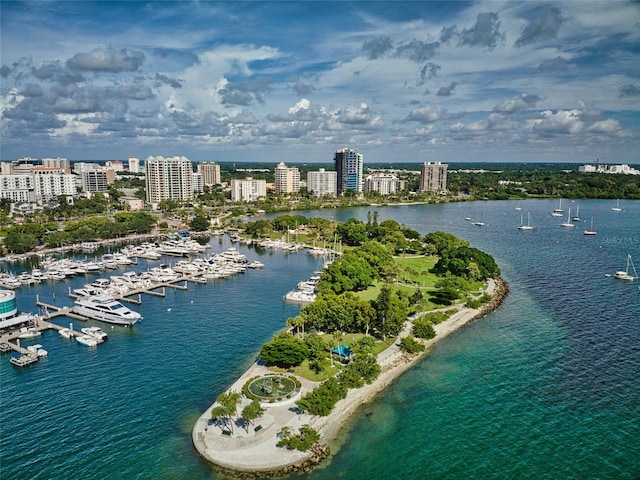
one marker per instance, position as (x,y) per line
(101,299)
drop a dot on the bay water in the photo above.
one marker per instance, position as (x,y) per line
(547,386)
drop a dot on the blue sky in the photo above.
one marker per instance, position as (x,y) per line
(295,81)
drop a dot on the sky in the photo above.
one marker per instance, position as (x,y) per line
(294,81)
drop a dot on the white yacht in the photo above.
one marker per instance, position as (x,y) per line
(95,332)
(106,309)
(558,212)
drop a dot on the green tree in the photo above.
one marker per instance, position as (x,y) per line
(251,412)
(352,232)
(285,351)
(199,223)
(391,312)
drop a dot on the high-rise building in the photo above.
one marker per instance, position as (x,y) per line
(433,177)
(383,183)
(322,183)
(287,179)
(349,170)
(95,181)
(62,163)
(134,165)
(168,178)
(210,172)
(248,190)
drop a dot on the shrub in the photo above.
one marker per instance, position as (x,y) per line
(411,345)
(423,328)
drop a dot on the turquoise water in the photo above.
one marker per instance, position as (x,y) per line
(548,386)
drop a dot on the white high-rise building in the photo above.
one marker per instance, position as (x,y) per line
(322,183)
(433,177)
(134,165)
(17,188)
(287,179)
(248,190)
(210,172)
(198,183)
(383,183)
(168,178)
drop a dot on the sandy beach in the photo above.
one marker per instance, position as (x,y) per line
(248,450)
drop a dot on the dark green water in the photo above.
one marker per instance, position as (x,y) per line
(548,386)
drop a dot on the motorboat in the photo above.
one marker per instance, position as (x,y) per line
(105,309)
(86,291)
(65,333)
(87,340)
(38,350)
(29,332)
(96,332)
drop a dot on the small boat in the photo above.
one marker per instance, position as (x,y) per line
(65,333)
(481,222)
(590,231)
(95,332)
(567,222)
(26,332)
(617,207)
(518,208)
(87,340)
(625,274)
(38,350)
(528,225)
(558,212)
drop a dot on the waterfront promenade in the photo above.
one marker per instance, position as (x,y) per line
(258,451)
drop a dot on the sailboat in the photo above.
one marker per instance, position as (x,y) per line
(518,208)
(590,231)
(576,217)
(567,222)
(558,212)
(528,225)
(617,207)
(624,274)
(481,222)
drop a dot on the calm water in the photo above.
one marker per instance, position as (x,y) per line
(548,386)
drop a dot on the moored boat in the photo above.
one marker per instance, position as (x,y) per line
(87,340)
(106,309)
(95,332)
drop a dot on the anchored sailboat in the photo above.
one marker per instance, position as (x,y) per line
(567,222)
(590,231)
(558,212)
(528,225)
(625,274)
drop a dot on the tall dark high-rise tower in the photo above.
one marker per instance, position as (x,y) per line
(349,169)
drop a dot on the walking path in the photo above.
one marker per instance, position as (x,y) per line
(248,450)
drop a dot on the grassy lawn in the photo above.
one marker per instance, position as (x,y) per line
(304,371)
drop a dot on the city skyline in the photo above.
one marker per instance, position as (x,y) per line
(296,81)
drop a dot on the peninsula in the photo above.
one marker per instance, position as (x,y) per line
(257,451)
(252,428)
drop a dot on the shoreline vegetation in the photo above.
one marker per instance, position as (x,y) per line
(371,320)
(253,452)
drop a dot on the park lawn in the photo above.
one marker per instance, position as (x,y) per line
(304,371)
